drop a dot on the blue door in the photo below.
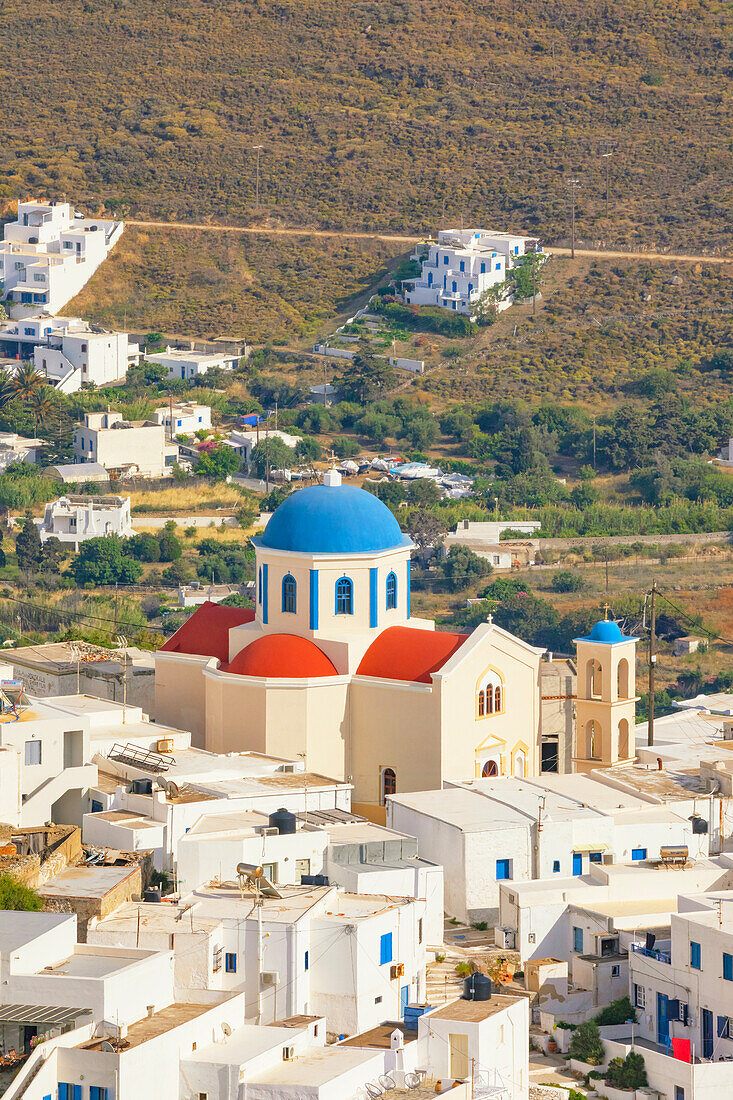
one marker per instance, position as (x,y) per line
(404,999)
(707,1033)
(577,863)
(663,1019)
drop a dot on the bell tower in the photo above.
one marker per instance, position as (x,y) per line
(606,702)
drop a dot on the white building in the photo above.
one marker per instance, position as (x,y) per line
(487,832)
(186,366)
(16,448)
(456,273)
(72,668)
(356,959)
(69,351)
(49,253)
(188,417)
(74,519)
(244,442)
(125,448)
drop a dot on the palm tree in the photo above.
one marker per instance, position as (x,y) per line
(41,404)
(27,381)
(7,388)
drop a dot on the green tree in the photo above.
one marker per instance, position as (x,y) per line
(529,617)
(462,568)
(522,276)
(425,528)
(219,463)
(169,547)
(28,546)
(144,548)
(628,1072)
(105,561)
(366,376)
(565,580)
(346,448)
(486,309)
(586,1044)
(16,895)
(308,449)
(273,452)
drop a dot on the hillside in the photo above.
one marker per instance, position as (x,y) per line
(397,115)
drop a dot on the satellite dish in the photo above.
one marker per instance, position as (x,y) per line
(226,1029)
(171,789)
(107,1047)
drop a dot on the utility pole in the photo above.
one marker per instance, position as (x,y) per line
(258,149)
(572,184)
(607,158)
(652,662)
(594,442)
(534,287)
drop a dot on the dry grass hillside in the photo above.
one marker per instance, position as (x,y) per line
(394,115)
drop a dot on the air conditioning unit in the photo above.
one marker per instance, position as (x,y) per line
(267,830)
(397,971)
(287,768)
(288,1054)
(607,859)
(728,731)
(164,744)
(270,977)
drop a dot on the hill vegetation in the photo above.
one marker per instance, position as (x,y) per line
(393,115)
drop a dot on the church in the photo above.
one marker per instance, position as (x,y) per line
(332,665)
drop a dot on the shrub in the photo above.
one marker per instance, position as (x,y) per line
(618,1012)
(627,1073)
(15,895)
(566,581)
(586,1044)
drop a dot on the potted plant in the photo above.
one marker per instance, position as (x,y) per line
(625,1075)
(586,1048)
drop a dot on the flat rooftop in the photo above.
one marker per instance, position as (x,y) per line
(157,917)
(248,1041)
(670,785)
(19,928)
(89,961)
(316,1067)
(88,881)
(380,1037)
(150,1027)
(474,1010)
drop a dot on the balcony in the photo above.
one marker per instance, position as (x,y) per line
(652,953)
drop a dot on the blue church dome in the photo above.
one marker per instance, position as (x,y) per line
(333,519)
(606,630)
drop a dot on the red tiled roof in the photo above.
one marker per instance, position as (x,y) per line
(206,632)
(282,656)
(407,653)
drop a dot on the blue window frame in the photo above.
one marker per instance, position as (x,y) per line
(259,586)
(695,956)
(498,267)
(679,1092)
(728,967)
(638,853)
(385,948)
(445,259)
(290,594)
(344,596)
(595,857)
(230,962)
(578,940)
(723,1027)
(97,806)
(391,592)
(455,286)
(69,1092)
(555,866)
(463,265)
(503,869)
(483,268)
(97,1092)
(307,960)
(577,863)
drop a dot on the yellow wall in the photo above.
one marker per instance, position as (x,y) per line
(180,697)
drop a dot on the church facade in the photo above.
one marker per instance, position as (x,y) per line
(332,666)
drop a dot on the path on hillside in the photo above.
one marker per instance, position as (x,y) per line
(267,231)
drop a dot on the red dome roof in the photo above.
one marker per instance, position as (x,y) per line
(284,657)
(409,653)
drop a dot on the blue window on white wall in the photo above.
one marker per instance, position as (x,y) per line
(483,268)
(445,259)
(455,286)
(638,853)
(695,956)
(344,596)
(578,940)
(503,869)
(307,960)
(290,594)
(69,1092)
(391,592)
(498,267)
(385,949)
(555,866)
(462,265)
(97,1092)
(727,966)
(230,962)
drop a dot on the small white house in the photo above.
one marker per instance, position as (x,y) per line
(126,448)
(187,365)
(188,417)
(16,448)
(74,519)
(50,252)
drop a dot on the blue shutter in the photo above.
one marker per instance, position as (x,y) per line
(503,869)
(408,589)
(307,960)
(373,581)
(77,1092)
(264,594)
(578,940)
(695,955)
(577,864)
(385,949)
(728,967)
(638,853)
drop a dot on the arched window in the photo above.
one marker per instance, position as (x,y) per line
(623,739)
(497,698)
(489,769)
(594,676)
(259,586)
(391,592)
(489,699)
(593,740)
(519,765)
(344,597)
(490,694)
(622,678)
(389,783)
(290,590)
(481,704)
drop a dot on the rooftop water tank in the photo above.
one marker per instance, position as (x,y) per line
(477,987)
(283,821)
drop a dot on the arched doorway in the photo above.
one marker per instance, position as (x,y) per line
(489,769)
(389,784)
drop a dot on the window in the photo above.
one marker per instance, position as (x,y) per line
(445,259)
(39,278)
(270,871)
(695,957)
(498,267)
(306,961)
(481,703)
(728,967)
(638,853)
(230,962)
(385,948)
(377,1000)
(419,930)
(344,597)
(69,1092)
(723,1029)
(33,752)
(615,971)
(595,857)
(259,577)
(391,592)
(29,332)
(483,268)
(679,1093)
(497,699)
(455,286)
(462,265)
(578,940)
(389,784)
(289,594)
(639,996)
(490,769)
(97,1092)
(503,869)
(97,806)
(555,866)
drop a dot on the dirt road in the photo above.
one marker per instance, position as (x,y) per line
(267,231)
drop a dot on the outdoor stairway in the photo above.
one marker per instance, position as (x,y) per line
(443,984)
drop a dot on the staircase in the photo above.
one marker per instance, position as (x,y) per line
(442,982)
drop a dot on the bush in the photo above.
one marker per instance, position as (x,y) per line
(15,895)
(566,581)
(627,1073)
(586,1044)
(618,1012)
